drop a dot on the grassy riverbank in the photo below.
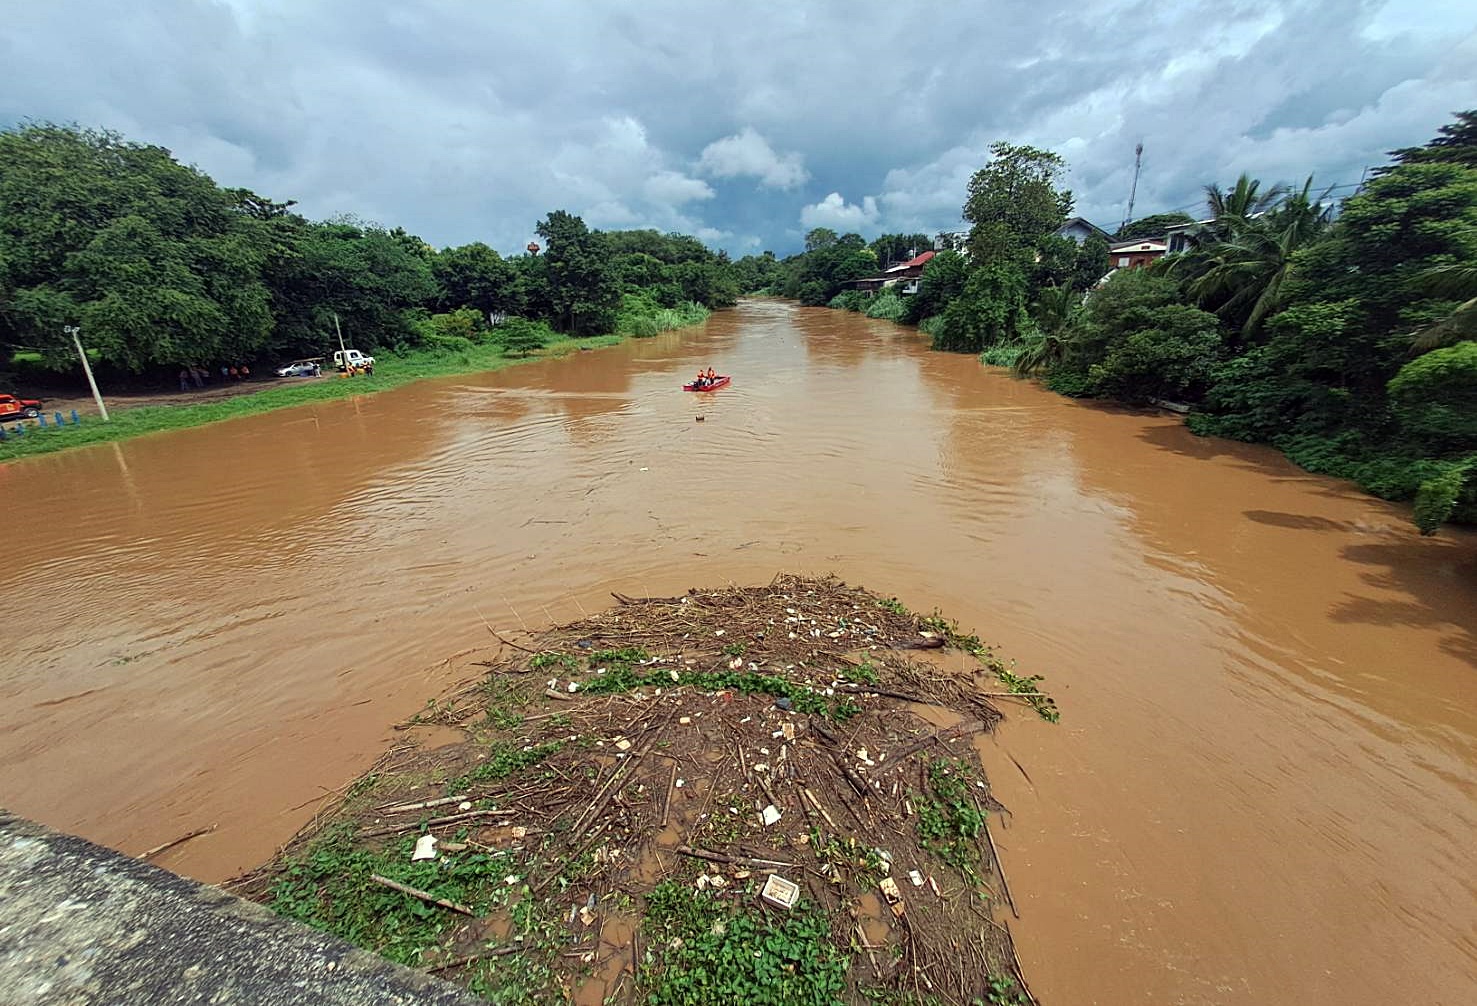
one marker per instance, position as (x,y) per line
(392,372)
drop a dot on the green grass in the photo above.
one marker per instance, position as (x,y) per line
(504,760)
(714,953)
(329,888)
(391,372)
(949,820)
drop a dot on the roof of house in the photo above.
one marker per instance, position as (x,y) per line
(1138,245)
(917,261)
(1084,222)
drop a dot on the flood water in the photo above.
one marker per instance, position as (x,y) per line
(1262,789)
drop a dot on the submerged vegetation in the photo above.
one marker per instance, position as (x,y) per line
(1340,332)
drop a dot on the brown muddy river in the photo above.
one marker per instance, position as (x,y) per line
(1262,789)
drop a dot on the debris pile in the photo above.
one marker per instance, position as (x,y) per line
(771,785)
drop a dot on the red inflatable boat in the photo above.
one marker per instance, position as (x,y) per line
(718,382)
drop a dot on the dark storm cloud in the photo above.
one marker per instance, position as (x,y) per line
(742,123)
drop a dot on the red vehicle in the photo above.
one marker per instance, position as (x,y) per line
(19,408)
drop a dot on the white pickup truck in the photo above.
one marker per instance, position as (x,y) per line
(351,358)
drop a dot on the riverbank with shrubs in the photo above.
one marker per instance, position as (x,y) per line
(1339,331)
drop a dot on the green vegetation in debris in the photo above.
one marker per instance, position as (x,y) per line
(1044,704)
(709,951)
(329,888)
(527,975)
(504,760)
(949,818)
(1030,690)
(623,674)
(1003,991)
(893,605)
(542,661)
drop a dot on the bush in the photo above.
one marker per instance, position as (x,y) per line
(643,327)
(850,300)
(464,324)
(1172,359)
(931,326)
(641,316)
(990,311)
(1003,355)
(1435,397)
(519,336)
(887,306)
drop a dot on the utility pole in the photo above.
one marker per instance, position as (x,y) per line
(343,353)
(75,331)
(1138,160)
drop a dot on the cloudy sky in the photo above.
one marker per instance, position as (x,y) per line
(744,123)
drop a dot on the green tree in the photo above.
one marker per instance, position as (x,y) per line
(1091,264)
(942,281)
(818,238)
(363,274)
(1244,278)
(1435,398)
(1455,143)
(157,263)
(1152,226)
(520,337)
(990,311)
(584,293)
(474,275)
(894,248)
(1013,204)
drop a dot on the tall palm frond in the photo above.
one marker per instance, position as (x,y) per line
(1450,281)
(1246,273)
(1244,200)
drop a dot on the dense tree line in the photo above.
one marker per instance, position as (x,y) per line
(1342,334)
(162,268)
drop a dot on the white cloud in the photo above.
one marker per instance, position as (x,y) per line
(673,188)
(746,153)
(461,123)
(839,215)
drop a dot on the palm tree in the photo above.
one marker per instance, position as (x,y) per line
(1243,276)
(1055,310)
(1458,280)
(1244,201)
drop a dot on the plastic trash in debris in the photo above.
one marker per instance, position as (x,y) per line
(770,815)
(889,890)
(788,730)
(519,831)
(780,892)
(425,848)
(783,703)
(622,744)
(586,916)
(464,805)
(916,878)
(684,720)
(680,783)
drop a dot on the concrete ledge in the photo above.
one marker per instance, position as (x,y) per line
(80,924)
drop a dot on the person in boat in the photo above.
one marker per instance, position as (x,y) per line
(701,381)
(710,376)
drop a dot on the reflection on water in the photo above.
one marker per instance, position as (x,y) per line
(1262,789)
